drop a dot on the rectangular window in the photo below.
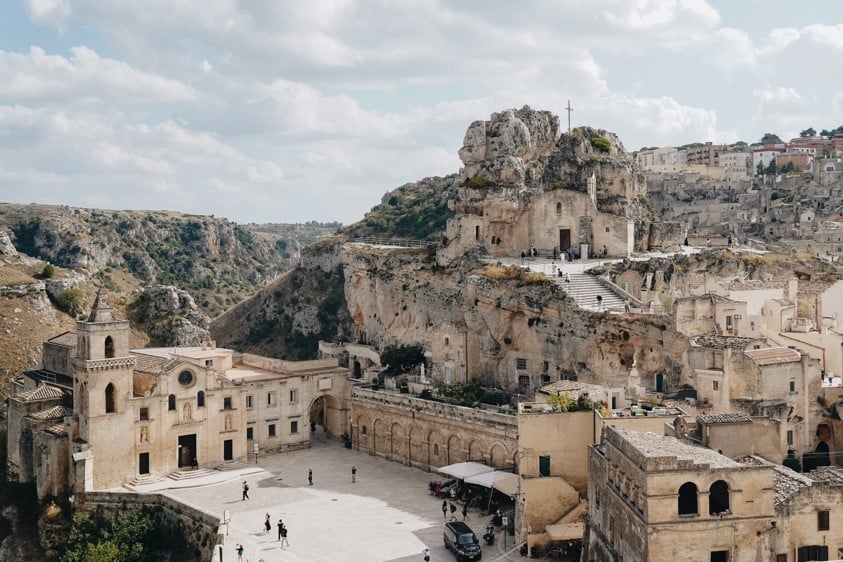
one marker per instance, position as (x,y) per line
(715,385)
(719,556)
(523,383)
(521,363)
(144,414)
(271,430)
(781,557)
(447,341)
(728,322)
(793,386)
(270,399)
(250,402)
(294,427)
(226,403)
(250,433)
(790,437)
(294,396)
(823,521)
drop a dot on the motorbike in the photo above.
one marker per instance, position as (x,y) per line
(489,535)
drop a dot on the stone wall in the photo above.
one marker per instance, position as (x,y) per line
(201,527)
(428,434)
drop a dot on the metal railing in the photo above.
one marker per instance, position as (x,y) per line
(394,242)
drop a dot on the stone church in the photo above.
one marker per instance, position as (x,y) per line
(98,415)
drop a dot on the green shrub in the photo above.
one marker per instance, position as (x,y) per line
(601,144)
(477,182)
(49,271)
(72,302)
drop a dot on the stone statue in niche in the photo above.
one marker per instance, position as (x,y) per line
(187,413)
(228,422)
(144,435)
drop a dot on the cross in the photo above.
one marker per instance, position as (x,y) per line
(569,109)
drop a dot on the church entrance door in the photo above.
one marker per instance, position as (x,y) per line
(564,239)
(187,450)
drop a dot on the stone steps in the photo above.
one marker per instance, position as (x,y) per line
(188,474)
(584,288)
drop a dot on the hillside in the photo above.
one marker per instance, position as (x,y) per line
(219,262)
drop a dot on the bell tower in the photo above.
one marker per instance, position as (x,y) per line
(103,374)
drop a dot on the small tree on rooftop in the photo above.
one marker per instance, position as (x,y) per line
(402,358)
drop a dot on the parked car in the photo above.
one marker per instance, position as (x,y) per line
(461,540)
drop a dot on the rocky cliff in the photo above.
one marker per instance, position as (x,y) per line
(218,261)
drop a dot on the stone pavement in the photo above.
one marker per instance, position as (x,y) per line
(387,515)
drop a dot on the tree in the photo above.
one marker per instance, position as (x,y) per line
(601,144)
(825,133)
(759,170)
(770,138)
(49,271)
(771,167)
(788,168)
(402,358)
(72,302)
(809,132)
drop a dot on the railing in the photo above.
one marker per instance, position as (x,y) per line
(393,242)
(617,289)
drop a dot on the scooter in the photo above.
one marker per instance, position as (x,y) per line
(489,535)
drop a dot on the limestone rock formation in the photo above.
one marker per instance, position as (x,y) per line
(170,317)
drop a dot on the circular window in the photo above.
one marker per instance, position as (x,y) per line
(185,378)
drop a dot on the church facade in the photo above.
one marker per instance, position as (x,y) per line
(98,415)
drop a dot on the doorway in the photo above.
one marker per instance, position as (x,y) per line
(228,450)
(659,382)
(564,239)
(143,463)
(187,450)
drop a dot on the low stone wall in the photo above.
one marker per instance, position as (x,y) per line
(201,527)
(428,434)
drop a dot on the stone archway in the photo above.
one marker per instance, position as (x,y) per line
(437,454)
(498,456)
(455,450)
(418,450)
(361,435)
(328,412)
(398,443)
(380,439)
(475,451)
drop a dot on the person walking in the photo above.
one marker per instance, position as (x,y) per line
(353,474)
(626,305)
(239,550)
(599,302)
(465,511)
(280,527)
(453,511)
(245,491)
(444,509)
(267,526)
(309,477)
(426,555)
(284,542)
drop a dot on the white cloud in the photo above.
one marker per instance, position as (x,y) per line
(52,13)
(84,77)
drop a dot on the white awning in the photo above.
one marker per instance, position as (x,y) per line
(564,531)
(463,470)
(505,482)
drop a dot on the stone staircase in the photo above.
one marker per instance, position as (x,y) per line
(584,289)
(230,465)
(142,480)
(188,474)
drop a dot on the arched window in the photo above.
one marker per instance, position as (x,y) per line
(436,449)
(109,399)
(559,208)
(109,347)
(200,399)
(171,402)
(718,498)
(688,499)
(363,430)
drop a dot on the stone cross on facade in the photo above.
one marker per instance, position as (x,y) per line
(569,109)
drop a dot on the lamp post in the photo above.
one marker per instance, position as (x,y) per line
(255,448)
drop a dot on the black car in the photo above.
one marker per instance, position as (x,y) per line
(460,539)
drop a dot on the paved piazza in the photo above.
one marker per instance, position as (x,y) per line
(387,515)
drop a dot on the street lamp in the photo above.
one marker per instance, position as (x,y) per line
(255,448)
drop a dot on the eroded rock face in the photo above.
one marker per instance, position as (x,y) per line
(172,318)
(506,149)
(7,249)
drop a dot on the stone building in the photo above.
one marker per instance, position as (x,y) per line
(99,415)
(656,498)
(526,184)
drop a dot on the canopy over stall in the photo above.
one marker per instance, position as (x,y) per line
(464,470)
(504,482)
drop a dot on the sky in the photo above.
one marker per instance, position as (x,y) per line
(291,111)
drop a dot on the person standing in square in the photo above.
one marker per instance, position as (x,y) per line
(353,474)
(309,477)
